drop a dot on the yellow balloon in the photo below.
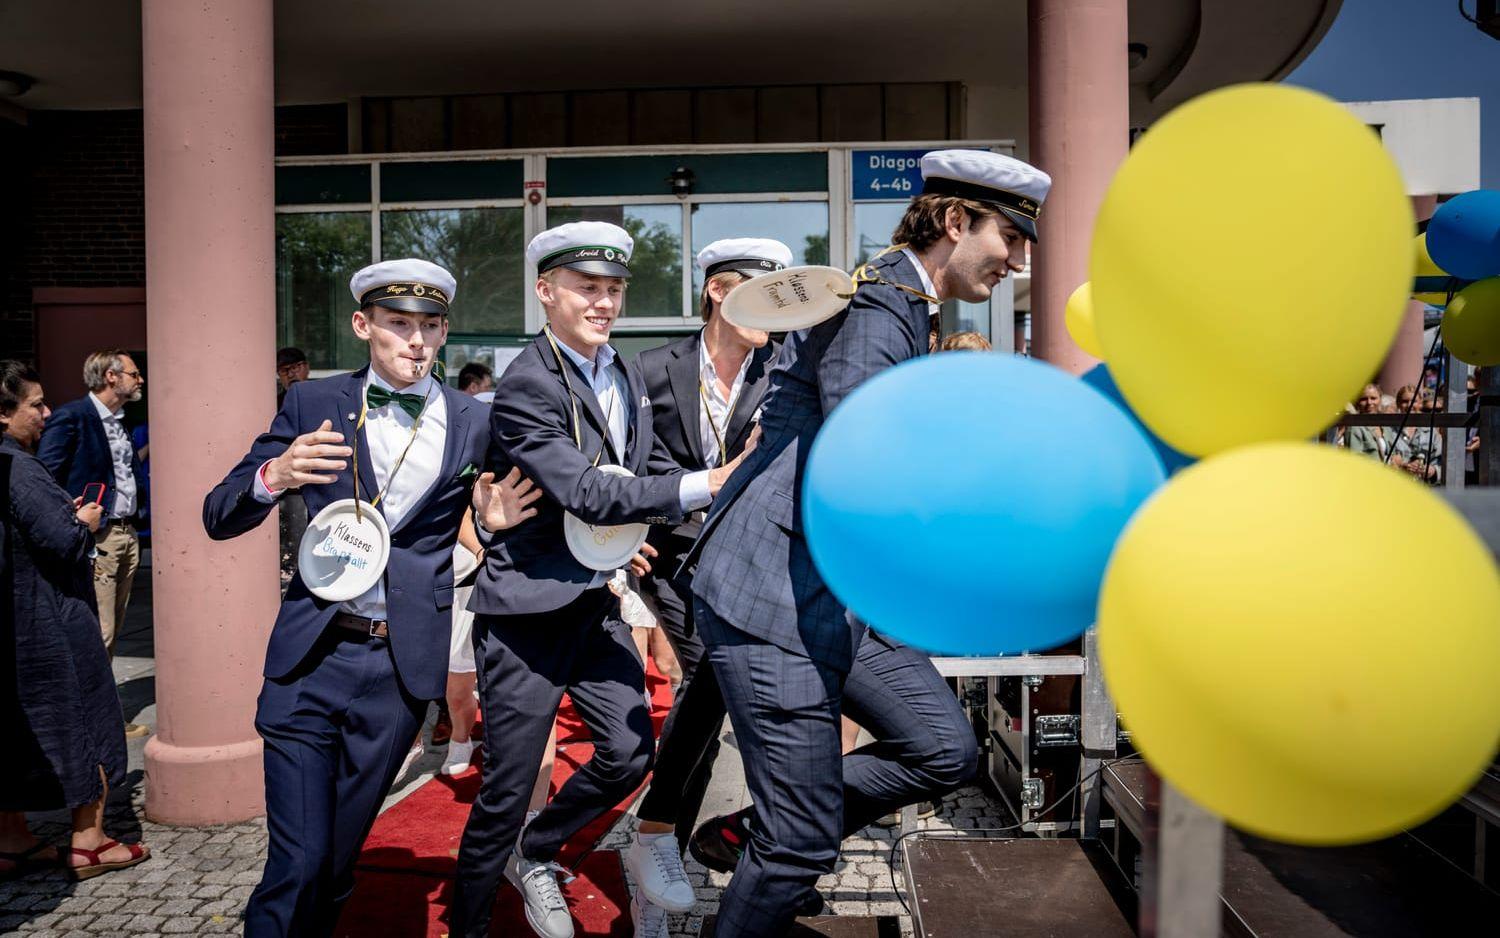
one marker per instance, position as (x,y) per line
(1427,267)
(1471,323)
(1250,265)
(1249,637)
(1078,315)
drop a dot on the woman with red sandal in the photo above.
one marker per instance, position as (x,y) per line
(60,722)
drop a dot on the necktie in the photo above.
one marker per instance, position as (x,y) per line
(377,396)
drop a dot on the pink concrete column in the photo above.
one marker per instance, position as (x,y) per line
(1403,365)
(210,319)
(1080,125)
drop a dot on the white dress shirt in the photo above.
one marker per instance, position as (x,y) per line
(122,453)
(613,393)
(714,408)
(927,285)
(387,430)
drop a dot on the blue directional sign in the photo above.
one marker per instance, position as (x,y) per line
(885,174)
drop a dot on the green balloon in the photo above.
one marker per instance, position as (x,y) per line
(1471,323)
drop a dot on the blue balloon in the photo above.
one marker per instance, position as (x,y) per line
(1463,236)
(967,503)
(1102,381)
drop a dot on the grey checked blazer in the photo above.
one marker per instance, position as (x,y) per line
(753,566)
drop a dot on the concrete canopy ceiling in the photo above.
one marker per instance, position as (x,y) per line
(86,53)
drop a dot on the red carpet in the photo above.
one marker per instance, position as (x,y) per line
(404,880)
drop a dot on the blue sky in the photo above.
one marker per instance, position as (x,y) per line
(1384,49)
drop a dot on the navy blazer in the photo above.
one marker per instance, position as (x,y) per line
(529,569)
(671,374)
(419,576)
(754,569)
(75,449)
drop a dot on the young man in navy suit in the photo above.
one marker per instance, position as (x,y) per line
(545,623)
(788,657)
(346,684)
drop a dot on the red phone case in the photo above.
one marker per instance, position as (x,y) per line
(97,499)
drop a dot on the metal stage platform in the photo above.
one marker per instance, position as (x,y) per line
(1390,888)
(1150,862)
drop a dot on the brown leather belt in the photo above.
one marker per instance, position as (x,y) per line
(374,628)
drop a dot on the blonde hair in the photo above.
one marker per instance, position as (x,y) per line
(966,341)
(100,364)
(727,278)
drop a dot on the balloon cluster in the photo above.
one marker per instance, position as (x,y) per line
(1250,266)
(1462,241)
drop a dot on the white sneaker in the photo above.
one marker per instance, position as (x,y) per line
(648,920)
(546,910)
(458,758)
(656,867)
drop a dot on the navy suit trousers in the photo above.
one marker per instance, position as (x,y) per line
(785,711)
(526,662)
(336,730)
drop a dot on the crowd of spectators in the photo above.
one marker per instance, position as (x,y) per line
(1416,444)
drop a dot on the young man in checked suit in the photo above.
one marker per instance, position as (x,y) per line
(788,657)
(706,390)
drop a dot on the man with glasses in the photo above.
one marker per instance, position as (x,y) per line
(291,368)
(88,450)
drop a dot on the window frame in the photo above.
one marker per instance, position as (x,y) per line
(837,197)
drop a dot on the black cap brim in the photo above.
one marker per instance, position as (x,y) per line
(411,304)
(599,268)
(1027,225)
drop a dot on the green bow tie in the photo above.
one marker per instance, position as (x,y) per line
(377,396)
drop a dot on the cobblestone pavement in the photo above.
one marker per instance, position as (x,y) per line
(198,879)
(861,882)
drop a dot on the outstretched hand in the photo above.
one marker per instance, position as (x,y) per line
(312,459)
(503,504)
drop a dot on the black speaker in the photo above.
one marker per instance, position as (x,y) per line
(1487,16)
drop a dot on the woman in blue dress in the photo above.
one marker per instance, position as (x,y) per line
(61,728)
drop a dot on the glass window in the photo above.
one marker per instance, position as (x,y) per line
(342,183)
(873,224)
(316,254)
(801,226)
(481,247)
(632,344)
(713,174)
(496,353)
(450,180)
(656,264)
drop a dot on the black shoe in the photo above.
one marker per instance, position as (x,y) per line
(719,842)
(813,906)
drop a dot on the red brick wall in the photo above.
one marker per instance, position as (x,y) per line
(88,220)
(72,193)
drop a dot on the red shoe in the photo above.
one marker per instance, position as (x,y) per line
(139,853)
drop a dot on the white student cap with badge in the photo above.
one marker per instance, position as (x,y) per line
(750,256)
(589,247)
(410,285)
(1015,188)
